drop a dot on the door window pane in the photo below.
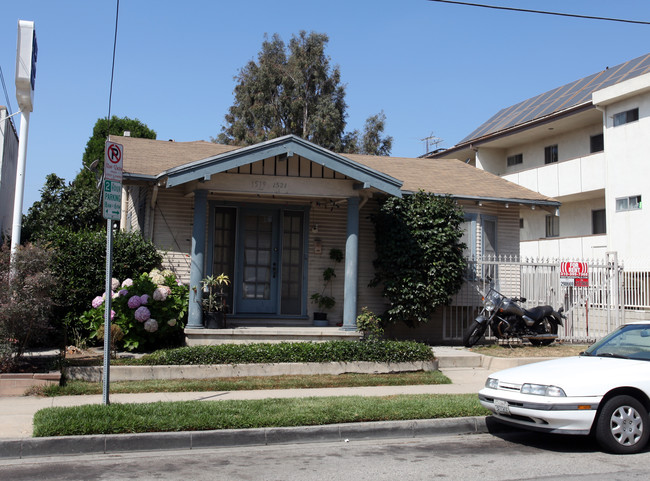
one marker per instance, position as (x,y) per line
(292,255)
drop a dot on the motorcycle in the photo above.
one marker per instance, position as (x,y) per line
(508,319)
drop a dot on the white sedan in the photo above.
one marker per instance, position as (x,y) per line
(605,392)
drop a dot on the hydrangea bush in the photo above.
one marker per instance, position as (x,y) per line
(151,310)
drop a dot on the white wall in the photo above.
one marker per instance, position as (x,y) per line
(8,163)
(627,149)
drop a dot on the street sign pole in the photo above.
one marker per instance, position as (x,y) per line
(107,312)
(112,208)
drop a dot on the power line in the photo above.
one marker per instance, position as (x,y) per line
(4,88)
(559,14)
(110,94)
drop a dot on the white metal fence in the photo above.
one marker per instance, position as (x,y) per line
(594,306)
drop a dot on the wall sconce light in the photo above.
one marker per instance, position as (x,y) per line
(318,246)
(507,205)
(479,203)
(532,207)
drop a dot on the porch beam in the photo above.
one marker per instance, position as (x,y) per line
(195,314)
(351,267)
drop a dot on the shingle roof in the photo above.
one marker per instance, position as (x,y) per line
(448,176)
(145,157)
(562,98)
(151,157)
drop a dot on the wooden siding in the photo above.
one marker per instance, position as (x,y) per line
(172,231)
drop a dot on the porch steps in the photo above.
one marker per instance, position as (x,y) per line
(250,334)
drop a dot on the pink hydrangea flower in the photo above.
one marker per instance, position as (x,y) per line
(112,314)
(144,299)
(127,282)
(142,314)
(171,322)
(151,325)
(134,302)
(97,301)
(161,293)
(115,284)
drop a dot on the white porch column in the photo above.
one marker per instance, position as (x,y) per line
(351,267)
(195,314)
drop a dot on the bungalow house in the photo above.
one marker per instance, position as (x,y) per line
(267,215)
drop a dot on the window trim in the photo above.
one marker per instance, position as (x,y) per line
(551,154)
(594,213)
(553,224)
(515,159)
(632,202)
(600,143)
(625,117)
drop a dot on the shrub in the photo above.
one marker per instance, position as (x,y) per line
(25,300)
(329,351)
(80,266)
(150,311)
(420,260)
(370,324)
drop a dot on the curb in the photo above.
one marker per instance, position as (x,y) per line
(211,371)
(227,438)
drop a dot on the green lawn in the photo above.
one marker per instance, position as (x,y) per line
(209,415)
(248,383)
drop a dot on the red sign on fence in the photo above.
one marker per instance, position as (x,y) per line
(573,269)
(576,273)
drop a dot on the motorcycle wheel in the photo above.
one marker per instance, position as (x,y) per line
(473,333)
(546,327)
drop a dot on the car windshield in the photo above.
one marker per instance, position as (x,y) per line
(628,342)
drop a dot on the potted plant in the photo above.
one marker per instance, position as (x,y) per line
(323,301)
(214,301)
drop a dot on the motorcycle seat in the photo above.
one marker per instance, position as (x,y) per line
(538,313)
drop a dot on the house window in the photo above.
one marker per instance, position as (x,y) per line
(521,223)
(628,203)
(598,222)
(552,226)
(515,159)
(597,143)
(550,154)
(626,117)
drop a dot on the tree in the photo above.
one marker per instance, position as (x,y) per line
(25,300)
(294,92)
(420,260)
(371,142)
(75,206)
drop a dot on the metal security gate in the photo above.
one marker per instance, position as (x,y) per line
(593,307)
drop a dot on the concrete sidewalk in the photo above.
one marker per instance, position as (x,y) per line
(464,368)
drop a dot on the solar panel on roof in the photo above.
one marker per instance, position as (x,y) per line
(569,95)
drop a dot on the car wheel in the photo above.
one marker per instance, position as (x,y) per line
(622,427)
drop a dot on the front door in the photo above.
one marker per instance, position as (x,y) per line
(258,261)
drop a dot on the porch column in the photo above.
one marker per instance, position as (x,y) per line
(351,267)
(195,314)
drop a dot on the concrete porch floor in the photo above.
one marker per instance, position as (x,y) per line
(251,334)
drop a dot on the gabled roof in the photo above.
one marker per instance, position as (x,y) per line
(224,158)
(181,162)
(561,99)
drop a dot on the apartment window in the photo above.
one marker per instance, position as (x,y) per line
(598,222)
(552,226)
(515,159)
(550,154)
(597,143)
(628,203)
(626,117)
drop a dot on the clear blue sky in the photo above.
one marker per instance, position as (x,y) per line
(433,68)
